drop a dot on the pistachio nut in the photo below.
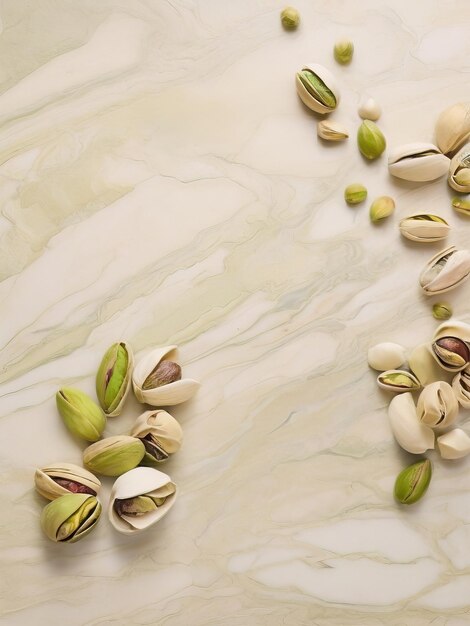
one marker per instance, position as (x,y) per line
(442,311)
(412,482)
(461,387)
(114,455)
(139,499)
(418,162)
(424,227)
(331,131)
(410,433)
(453,127)
(381,208)
(454,444)
(425,367)
(343,51)
(355,193)
(369,109)
(461,206)
(81,415)
(157,379)
(59,479)
(459,170)
(437,405)
(446,270)
(452,353)
(69,518)
(386,356)
(398,381)
(160,433)
(113,379)
(290,18)
(370,140)
(317,89)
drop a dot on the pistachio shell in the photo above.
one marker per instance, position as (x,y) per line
(454,445)
(113,379)
(114,455)
(412,482)
(323,98)
(424,227)
(418,162)
(453,328)
(138,482)
(425,367)
(398,381)
(446,270)
(70,478)
(409,432)
(331,131)
(386,356)
(69,518)
(461,387)
(437,405)
(369,109)
(459,170)
(453,127)
(160,433)
(452,353)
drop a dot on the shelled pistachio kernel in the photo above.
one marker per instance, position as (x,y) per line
(370,140)
(412,482)
(290,18)
(381,208)
(355,193)
(442,311)
(461,206)
(343,51)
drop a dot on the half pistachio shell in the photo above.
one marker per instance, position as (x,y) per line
(412,482)
(167,394)
(410,433)
(461,387)
(160,433)
(454,445)
(437,405)
(418,162)
(59,479)
(70,518)
(453,127)
(398,381)
(425,367)
(446,270)
(113,379)
(317,88)
(331,131)
(459,170)
(424,227)
(386,356)
(114,455)
(155,493)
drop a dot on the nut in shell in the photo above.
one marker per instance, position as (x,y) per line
(317,88)
(452,353)
(160,433)
(424,228)
(459,170)
(418,162)
(437,405)
(453,127)
(113,378)
(70,518)
(398,381)
(59,479)
(446,270)
(114,455)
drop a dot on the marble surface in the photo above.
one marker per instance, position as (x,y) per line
(162,183)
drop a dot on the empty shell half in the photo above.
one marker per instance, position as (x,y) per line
(454,445)
(409,432)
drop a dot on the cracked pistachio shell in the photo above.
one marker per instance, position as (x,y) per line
(425,367)
(412,482)
(141,481)
(80,414)
(69,518)
(452,353)
(369,110)
(386,356)
(160,433)
(355,193)
(343,51)
(446,270)
(442,311)
(331,131)
(453,127)
(459,170)
(437,405)
(454,445)
(316,87)
(418,162)
(398,381)
(461,206)
(381,208)
(290,18)
(410,433)
(370,140)
(114,455)
(59,479)
(424,227)
(461,387)
(113,378)
(167,394)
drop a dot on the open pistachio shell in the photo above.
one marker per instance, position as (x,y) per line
(386,356)
(141,481)
(452,353)
(59,479)
(447,269)
(114,455)
(317,88)
(454,444)
(398,381)
(160,433)
(437,405)
(425,367)
(69,518)
(418,162)
(453,127)
(459,170)
(424,227)
(409,432)
(461,387)
(113,379)
(167,394)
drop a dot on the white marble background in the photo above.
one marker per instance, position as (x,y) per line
(161,183)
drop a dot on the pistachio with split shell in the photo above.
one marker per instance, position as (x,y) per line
(459,170)
(113,379)
(412,482)
(461,387)
(81,415)
(290,18)
(114,455)
(442,311)
(139,499)
(71,517)
(437,405)
(425,367)
(355,193)
(331,131)
(398,381)
(317,88)
(157,379)
(370,140)
(381,208)
(418,162)
(454,445)
(343,51)
(386,356)
(453,127)
(410,433)
(461,206)
(160,433)
(446,270)
(369,110)
(424,227)
(59,479)
(452,353)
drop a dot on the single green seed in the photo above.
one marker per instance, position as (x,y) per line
(381,208)
(412,482)
(290,18)
(343,51)
(317,88)
(442,311)
(355,193)
(370,140)
(461,206)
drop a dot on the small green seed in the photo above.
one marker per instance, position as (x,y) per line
(355,193)
(442,311)
(290,18)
